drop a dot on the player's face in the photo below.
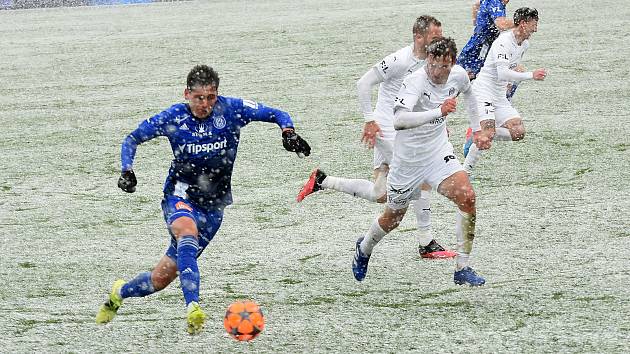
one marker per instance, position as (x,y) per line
(201,99)
(439,68)
(530,27)
(433,32)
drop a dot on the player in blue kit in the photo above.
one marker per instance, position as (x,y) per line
(489,21)
(489,18)
(204,135)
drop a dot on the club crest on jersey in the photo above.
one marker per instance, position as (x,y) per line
(219,122)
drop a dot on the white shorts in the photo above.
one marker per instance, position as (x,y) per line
(404,182)
(500,110)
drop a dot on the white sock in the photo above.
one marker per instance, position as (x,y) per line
(474,154)
(502,134)
(356,187)
(422,208)
(374,235)
(465,232)
(462,261)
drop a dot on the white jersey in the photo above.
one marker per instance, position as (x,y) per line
(414,147)
(393,69)
(504,53)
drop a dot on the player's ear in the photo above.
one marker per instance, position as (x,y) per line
(186,93)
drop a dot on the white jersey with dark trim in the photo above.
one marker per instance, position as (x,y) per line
(414,147)
(393,69)
(505,52)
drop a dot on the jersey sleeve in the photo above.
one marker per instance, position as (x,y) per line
(390,66)
(147,130)
(495,9)
(254,111)
(470,100)
(407,95)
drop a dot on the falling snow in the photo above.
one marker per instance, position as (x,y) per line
(553,210)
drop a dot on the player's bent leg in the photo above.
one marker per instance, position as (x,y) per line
(380,183)
(184,228)
(458,189)
(109,309)
(380,227)
(164,272)
(428,247)
(516,128)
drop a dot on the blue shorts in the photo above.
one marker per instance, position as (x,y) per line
(208,221)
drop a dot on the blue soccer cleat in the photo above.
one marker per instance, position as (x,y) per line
(469,141)
(467,276)
(360,262)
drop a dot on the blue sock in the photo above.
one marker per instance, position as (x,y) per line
(187,247)
(139,286)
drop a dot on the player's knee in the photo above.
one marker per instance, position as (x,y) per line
(518,134)
(183,226)
(467,201)
(382,199)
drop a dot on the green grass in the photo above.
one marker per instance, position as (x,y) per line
(552,210)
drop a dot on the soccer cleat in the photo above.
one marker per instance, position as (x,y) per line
(108,310)
(469,141)
(434,251)
(313,184)
(196,318)
(360,262)
(467,276)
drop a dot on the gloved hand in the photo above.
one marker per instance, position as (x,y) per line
(127,181)
(294,143)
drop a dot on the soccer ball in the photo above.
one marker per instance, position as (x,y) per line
(244,320)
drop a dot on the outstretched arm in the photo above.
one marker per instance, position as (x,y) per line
(254,111)
(365,84)
(147,130)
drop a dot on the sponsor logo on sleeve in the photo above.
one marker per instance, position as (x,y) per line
(182,205)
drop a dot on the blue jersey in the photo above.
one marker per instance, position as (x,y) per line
(474,52)
(204,150)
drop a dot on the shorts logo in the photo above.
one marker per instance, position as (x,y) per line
(219,122)
(182,205)
(398,191)
(447,158)
(451,91)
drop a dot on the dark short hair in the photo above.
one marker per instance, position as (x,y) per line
(525,14)
(422,23)
(443,47)
(202,75)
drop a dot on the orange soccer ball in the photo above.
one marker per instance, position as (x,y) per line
(244,320)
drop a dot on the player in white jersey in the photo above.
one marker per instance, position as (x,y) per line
(423,154)
(497,72)
(378,132)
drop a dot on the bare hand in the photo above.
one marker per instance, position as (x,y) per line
(540,74)
(370,131)
(449,106)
